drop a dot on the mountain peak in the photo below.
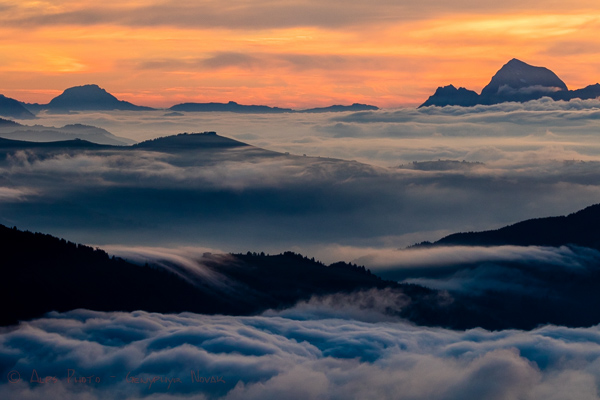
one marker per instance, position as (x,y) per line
(190,142)
(84,93)
(450,95)
(517,78)
(89,97)
(516,81)
(516,61)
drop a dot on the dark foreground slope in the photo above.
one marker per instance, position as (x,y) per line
(41,273)
(538,271)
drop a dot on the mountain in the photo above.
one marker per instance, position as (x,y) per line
(519,81)
(8,123)
(42,273)
(89,98)
(588,92)
(341,108)
(181,144)
(191,141)
(94,98)
(516,81)
(39,133)
(581,228)
(13,109)
(7,145)
(232,106)
(449,95)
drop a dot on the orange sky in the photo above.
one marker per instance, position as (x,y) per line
(292,53)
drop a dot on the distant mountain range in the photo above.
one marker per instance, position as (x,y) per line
(239,108)
(85,98)
(229,107)
(184,142)
(38,133)
(516,81)
(94,98)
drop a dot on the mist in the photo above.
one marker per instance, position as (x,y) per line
(522,161)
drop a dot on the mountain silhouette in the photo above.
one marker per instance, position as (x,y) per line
(89,98)
(581,228)
(7,123)
(516,81)
(41,273)
(451,96)
(189,142)
(39,133)
(183,142)
(13,109)
(341,108)
(232,106)
(78,144)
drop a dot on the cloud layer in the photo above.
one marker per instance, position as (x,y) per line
(267,357)
(534,160)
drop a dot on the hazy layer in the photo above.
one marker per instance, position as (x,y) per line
(504,135)
(528,160)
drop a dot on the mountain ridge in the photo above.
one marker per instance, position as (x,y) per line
(91,97)
(38,133)
(580,228)
(42,273)
(13,109)
(515,81)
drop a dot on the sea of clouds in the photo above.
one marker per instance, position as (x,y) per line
(291,354)
(539,159)
(527,160)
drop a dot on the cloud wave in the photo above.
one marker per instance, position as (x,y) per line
(267,357)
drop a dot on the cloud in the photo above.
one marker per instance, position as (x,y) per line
(13,194)
(240,15)
(448,256)
(506,90)
(541,159)
(187,262)
(270,357)
(229,59)
(247,199)
(373,305)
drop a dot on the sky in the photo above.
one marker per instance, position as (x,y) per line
(295,53)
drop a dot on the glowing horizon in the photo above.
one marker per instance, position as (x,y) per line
(299,54)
